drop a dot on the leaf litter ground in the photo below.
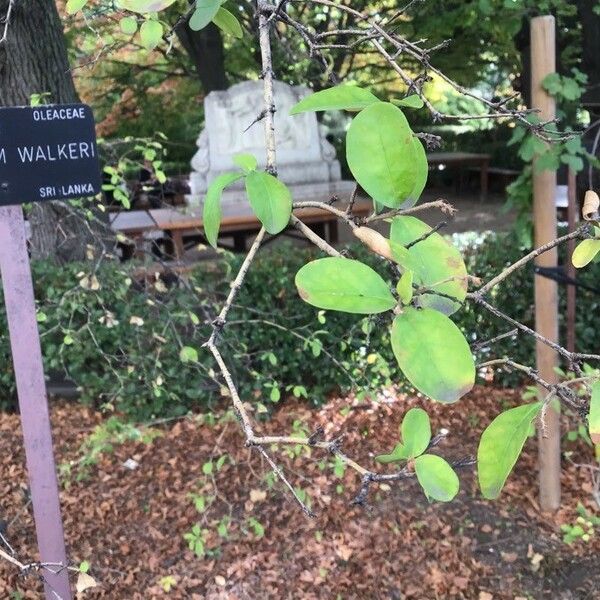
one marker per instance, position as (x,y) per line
(129,523)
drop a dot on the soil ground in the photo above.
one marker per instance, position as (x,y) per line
(129,524)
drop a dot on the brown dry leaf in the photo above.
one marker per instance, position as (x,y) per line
(257,495)
(84,582)
(591,203)
(509,557)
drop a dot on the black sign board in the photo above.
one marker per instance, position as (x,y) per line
(48,153)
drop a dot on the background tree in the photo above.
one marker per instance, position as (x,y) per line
(33,60)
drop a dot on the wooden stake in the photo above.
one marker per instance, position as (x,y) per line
(543,62)
(31,388)
(573,212)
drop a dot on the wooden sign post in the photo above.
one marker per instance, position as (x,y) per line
(543,62)
(46,153)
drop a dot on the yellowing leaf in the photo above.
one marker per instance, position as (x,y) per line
(144,6)
(594,414)
(340,97)
(151,33)
(500,446)
(336,283)
(382,155)
(585,253)
(433,354)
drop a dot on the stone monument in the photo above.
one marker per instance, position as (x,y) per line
(306,161)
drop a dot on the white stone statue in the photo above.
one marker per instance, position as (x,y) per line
(306,161)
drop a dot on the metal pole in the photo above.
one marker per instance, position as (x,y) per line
(33,404)
(543,62)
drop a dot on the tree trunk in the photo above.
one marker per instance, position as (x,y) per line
(205,48)
(33,60)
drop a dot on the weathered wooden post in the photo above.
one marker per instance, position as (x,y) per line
(543,62)
(46,153)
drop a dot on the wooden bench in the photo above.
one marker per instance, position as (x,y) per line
(464,159)
(238,222)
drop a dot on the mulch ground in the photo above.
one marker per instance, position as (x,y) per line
(129,524)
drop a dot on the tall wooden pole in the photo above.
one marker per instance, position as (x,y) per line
(543,62)
(573,211)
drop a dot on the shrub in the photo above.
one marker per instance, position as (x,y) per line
(133,347)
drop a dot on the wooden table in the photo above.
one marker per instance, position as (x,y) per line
(238,222)
(464,159)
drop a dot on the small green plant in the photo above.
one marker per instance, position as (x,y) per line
(582,529)
(167,583)
(196,539)
(111,433)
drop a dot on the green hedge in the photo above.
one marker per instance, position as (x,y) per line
(120,340)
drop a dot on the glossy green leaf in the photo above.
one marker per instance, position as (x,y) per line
(340,97)
(433,354)
(382,155)
(144,6)
(416,435)
(435,260)
(500,446)
(151,33)
(228,23)
(270,199)
(437,477)
(246,162)
(74,6)
(412,101)
(211,214)
(585,252)
(594,414)
(128,25)
(205,12)
(337,283)
(404,287)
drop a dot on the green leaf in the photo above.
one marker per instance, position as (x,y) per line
(128,25)
(416,431)
(270,199)
(404,287)
(343,284)
(151,33)
(74,6)
(437,477)
(594,414)
(585,252)
(412,101)
(422,172)
(144,6)
(433,354)
(434,260)
(574,162)
(211,214)
(228,22)
(382,155)
(416,435)
(205,12)
(188,354)
(340,97)
(500,446)
(246,162)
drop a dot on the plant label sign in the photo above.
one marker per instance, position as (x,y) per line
(47,152)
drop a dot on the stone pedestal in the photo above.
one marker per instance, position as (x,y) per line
(306,161)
